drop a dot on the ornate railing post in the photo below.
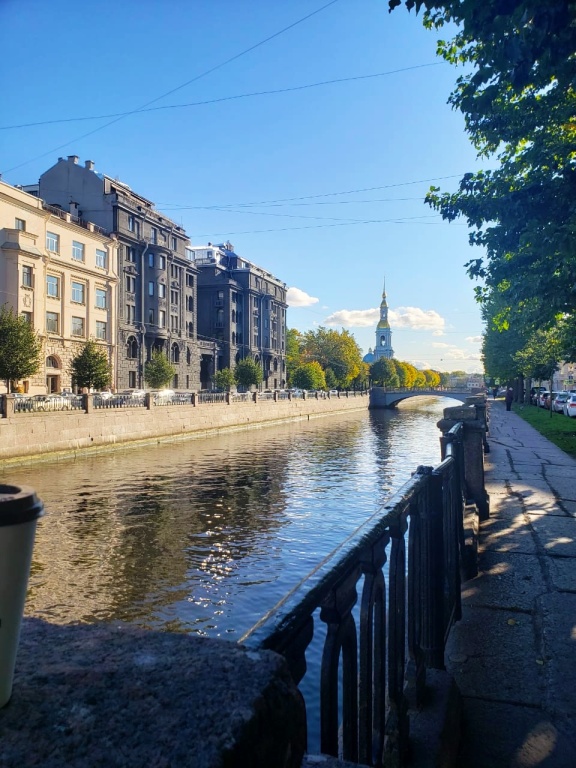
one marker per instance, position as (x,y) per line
(372,677)
(397,723)
(336,612)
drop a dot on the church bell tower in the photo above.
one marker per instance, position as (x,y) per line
(383,346)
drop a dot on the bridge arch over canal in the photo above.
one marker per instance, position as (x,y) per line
(382,397)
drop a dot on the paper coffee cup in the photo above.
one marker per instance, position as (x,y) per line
(20,508)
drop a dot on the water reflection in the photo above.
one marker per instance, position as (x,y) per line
(205,535)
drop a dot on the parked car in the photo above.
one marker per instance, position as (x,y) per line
(543,399)
(534,394)
(559,400)
(570,406)
(163,396)
(50,403)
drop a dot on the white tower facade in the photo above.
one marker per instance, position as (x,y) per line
(383,346)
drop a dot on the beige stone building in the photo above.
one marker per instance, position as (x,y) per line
(60,272)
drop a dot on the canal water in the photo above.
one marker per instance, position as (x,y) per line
(204,536)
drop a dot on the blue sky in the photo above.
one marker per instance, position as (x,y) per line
(322,186)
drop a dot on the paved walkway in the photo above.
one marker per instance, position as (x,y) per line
(514,653)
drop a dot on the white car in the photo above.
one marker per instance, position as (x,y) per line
(570,406)
(559,400)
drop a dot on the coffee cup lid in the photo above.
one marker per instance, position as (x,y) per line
(19,504)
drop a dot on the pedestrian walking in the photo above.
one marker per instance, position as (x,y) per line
(494,392)
(509,397)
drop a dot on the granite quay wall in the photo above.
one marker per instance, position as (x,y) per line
(27,436)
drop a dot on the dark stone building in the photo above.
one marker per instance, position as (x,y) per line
(241,311)
(157,297)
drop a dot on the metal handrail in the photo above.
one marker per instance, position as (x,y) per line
(402,622)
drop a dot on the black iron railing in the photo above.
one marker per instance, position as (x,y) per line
(404,566)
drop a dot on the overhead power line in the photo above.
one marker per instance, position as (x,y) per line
(175,207)
(224,63)
(291,89)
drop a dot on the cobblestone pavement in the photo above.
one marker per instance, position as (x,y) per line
(513,655)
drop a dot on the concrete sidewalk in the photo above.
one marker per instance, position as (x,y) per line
(513,655)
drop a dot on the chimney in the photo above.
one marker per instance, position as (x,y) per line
(89,164)
(74,208)
(73,159)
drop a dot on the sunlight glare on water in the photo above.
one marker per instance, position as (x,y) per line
(206,535)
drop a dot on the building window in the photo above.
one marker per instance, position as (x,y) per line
(130,313)
(161,318)
(101,298)
(161,262)
(132,379)
(173,270)
(161,291)
(78,290)
(174,297)
(190,303)
(26,316)
(150,288)
(20,224)
(77,326)
(132,224)
(53,286)
(77,250)
(132,348)
(130,284)
(151,260)
(190,281)
(52,362)
(100,330)
(101,258)
(153,235)
(151,316)
(188,357)
(53,242)
(52,322)
(27,276)
(191,330)
(175,353)
(174,325)
(189,254)
(174,243)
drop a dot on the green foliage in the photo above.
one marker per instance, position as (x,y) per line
(519,104)
(432,377)
(248,373)
(383,372)
(224,379)
(20,347)
(158,371)
(309,376)
(294,346)
(336,350)
(90,367)
(331,380)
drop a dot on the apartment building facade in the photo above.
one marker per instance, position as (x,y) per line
(157,294)
(58,271)
(242,311)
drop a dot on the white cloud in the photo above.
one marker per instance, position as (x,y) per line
(452,352)
(417,319)
(297,298)
(474,339)
(403,317)
(354,318)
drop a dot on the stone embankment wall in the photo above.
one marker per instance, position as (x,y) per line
(33,435)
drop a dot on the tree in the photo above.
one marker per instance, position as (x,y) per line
(158,371)
(294,344)
(224,379)
(518,101)
(90,367)
(309,376)
(383,372)
(432,377)
(248,373)
(331,380)
(337,350)
(20,347)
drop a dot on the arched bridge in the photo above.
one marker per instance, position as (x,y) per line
(383,397)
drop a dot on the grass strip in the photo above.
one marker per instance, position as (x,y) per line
(559,429)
